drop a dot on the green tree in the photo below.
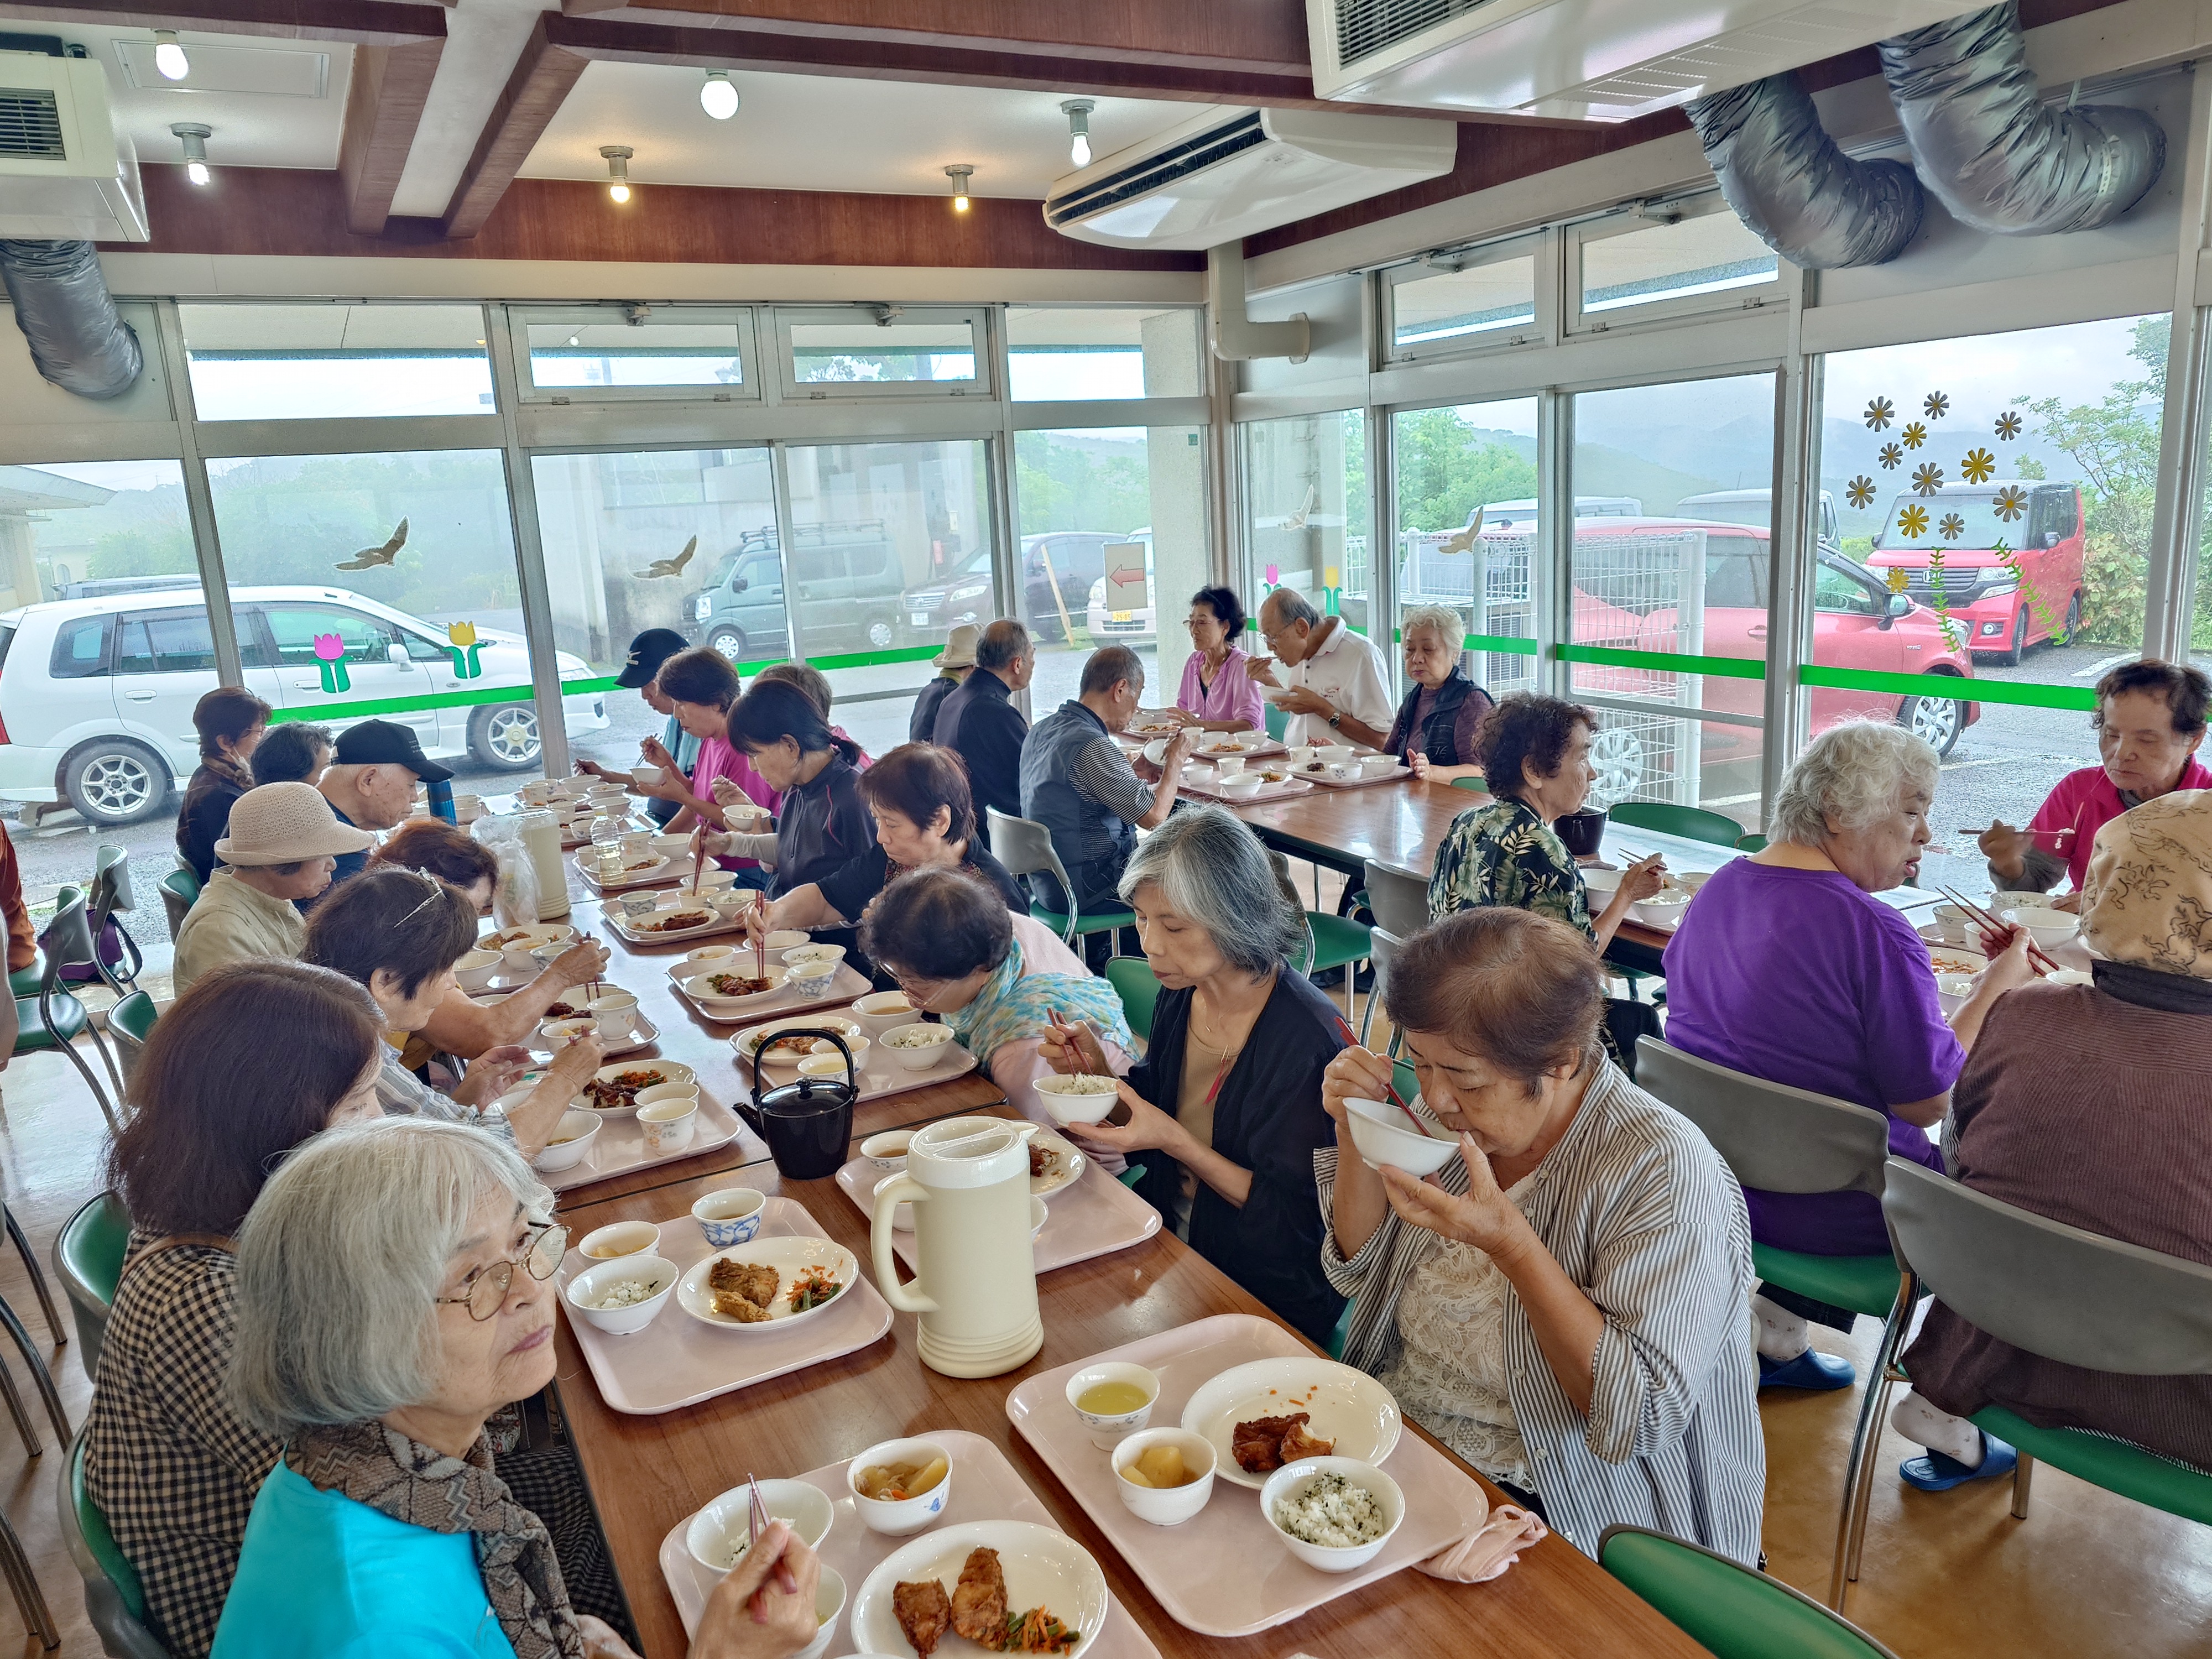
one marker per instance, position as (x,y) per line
(1447,468)
(1080,485)
(148,551)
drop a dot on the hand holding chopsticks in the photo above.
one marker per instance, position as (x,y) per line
(1351,1039)
(2041,963)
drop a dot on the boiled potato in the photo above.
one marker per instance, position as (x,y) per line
(932,1472)
(1134,1476)
(1163,1466)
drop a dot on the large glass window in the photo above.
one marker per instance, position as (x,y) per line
(2002,484)
(304,361)
(1059,354)
(1454,307)
(1309,515)
(1632,267)
(1466,527)
(880,348)
(605,352)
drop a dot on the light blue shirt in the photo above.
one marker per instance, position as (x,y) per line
(321,1574)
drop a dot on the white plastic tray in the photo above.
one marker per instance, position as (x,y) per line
(879,1074)
(1208,787)
(848,987)
(643,1035)
(1400,775)
(1225,1572)
(1095,1216)
(677,1361)
(619,924)
(985,1488)
(667,872)
(619,1147)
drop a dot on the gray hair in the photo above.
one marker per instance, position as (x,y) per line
(1005,643)
(341,1260)
(1292,607)
(1107,667)
(1854,775)
(1451,627)
(1211,868)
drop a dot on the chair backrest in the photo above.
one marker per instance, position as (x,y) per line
(1480,785)
(1736,1613)
(1753,843)
(1277,721)
(1383,946)
(68,937)
(1692,823)
(129,1022)
(89,1253)
(1399,898)
(114,1599)
(180,889)
(111,881)
(2055,1290)
(1024,847)
(1138,986)
(1773,1137)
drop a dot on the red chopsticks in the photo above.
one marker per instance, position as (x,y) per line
(1353,1040)
(2037,959)
(760,942)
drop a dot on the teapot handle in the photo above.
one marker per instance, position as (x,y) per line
(907,1298)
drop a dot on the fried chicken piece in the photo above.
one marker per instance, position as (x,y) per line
(1298,1443)
(979,1600)
(742,1281)
(1258,1443)
(731,1305)
(923,1612)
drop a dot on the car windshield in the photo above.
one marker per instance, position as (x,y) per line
(723,566)
(1981,529)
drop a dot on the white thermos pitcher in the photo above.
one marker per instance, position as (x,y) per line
(975,1286)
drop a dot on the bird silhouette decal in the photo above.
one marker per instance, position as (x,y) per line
(1297,520)
(1464,542)
(673,567)
(371,558)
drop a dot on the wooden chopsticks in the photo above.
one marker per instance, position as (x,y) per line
(2037,959)
(1352,1039)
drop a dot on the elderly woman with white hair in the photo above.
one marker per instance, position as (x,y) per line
(1225,1109)
(1435,729)
(394,1290)
(1788,968)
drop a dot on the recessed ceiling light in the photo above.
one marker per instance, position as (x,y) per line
(195,138)
(1078,110)
(717,97)
(959,175)
(169,57)
(617,171)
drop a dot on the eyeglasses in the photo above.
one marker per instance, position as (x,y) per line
(487,1287)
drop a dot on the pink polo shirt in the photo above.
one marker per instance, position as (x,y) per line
(2085,802)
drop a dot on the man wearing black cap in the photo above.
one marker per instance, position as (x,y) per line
(647,653)
(370,781)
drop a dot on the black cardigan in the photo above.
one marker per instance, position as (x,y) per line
(1268,1118)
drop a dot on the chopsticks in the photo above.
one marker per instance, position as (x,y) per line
(1060,1025)
(2037,959)
(760,941)
(1352,1039)
(698,866)
(2055,834)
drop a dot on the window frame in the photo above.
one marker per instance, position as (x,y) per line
(1504,337)
(1634,217)
(982,384)
(521,318)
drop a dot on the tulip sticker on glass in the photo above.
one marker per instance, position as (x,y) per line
(1332,591)
(330,655)
(464,650)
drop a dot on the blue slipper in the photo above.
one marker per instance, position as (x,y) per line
(1809,1370)
(1938,1472)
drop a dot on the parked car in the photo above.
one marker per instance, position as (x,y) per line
(850,581)
(96,695)
(1983,594)
(1436,567)
(1107,625)
(1059,569)
(962,595)
(1755,508)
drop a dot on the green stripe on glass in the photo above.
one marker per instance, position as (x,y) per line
(366,706)
(1503,645)
(1665,662)
(2022,694)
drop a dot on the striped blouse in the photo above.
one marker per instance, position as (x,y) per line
(1641,1212)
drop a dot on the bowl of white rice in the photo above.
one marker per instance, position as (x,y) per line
(1334,1514)
(622,1296)
(1079,1099)
(919,1045)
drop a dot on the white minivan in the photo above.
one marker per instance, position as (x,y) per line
(96,695)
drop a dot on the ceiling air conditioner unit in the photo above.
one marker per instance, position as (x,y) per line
(67,171)
(1219,179)
(1586,60)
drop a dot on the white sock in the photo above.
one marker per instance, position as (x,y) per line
(1954,1436)
(1783,1336)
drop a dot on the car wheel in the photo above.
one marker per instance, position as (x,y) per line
(506,738)
(111,780)
(730,642)
(2073,616)
(1618,755)
(2011,654)
(880,635)
(1936,721)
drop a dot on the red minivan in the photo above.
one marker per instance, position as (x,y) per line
(2001,608)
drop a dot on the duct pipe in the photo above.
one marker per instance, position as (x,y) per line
(1795,190)
(1992,154)
(1235,340)
(65,311)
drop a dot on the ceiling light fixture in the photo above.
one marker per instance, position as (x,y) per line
(169,57)
(959,176)
(717,97)
(617,171)
(195,138)
(1078,110)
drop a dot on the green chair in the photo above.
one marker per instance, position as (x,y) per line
(1383,946)
(129,1023)
(1480,785)
(2068,1295)
(111,891)
(1334,942)
(1342,1332)
(1790,1141)
(54,1019)
(89,1253)
(1277,722)
(114,1599)
(1690,822)
(1024,847)
(1734,1612)
(1138,987)
(181,890)
(1751,843)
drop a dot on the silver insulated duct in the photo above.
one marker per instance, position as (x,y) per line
(65,311)
(1790,184)
(1992,154)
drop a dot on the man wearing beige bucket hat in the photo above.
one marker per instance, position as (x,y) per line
(283,843)
(954,663)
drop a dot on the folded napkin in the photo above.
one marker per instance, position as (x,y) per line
(1487,1551)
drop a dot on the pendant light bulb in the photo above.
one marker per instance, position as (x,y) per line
(717,97)
(1078,110)
(194,137)
(169,57)
(959,175)
(617,158)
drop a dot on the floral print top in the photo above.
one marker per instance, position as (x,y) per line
(1503,854)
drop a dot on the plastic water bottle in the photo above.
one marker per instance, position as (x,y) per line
(442,801)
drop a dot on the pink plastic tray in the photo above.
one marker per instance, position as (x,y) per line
(1096,1215)
(677,1361)
(849,984)
(1225,1572)
(665,874)
(1207,786)
(985,1488)
(880,1074)
(619,1147)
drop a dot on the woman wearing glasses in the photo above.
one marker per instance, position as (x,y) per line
(395,1289)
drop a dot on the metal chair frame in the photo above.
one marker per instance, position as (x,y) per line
(114,1607)
(111,891)
(68,944)
(1024,847)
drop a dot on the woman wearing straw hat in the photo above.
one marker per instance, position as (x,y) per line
(283,844)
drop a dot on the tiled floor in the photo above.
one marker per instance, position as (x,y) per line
(2087,1575)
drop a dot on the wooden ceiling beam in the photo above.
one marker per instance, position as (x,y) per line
(354,22)
(534,92)
(383,108)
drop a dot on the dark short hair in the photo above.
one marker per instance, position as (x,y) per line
(228,711)
(436,847)
(1005,643)
(218,1102)
(1526,728)
(775,709)
(914,779)
(412,927)
(939,924)
(1225,606)
(702,675)
(2184,688)
(288,754)
(804,675)
(1110,664)
(1522,990)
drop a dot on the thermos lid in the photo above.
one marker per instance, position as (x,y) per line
(969,1151)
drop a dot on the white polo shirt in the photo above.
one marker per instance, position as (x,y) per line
(1349,672)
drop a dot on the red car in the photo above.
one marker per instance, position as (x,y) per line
(2003,608)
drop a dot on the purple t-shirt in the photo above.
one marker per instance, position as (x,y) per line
(1798,977)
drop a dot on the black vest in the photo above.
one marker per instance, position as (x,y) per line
(1443,745)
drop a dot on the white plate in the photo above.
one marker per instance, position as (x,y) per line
(1042,1567)
(789,1256)
(1069,1171)
(1347,1406)
(753,1036)
(672,1070)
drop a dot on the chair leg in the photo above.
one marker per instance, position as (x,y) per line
(30,1601)
(39,1374)
(38,1277)
(99,1095)
(1866,1443)
(2023,1476)
(12,1397)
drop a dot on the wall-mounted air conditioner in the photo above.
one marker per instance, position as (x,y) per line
(67,172)
(1591,60)
(1219,179)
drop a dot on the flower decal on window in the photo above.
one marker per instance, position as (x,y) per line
(1952,526)
(1860,492)
(1978,466)
(1891,455)
(330,655)
(1914,435)
(2007,426)
(1913,522)
(464,650)
(2010,502)
(1928,479)
(1897,580)
(1937,405)
(1880,413)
